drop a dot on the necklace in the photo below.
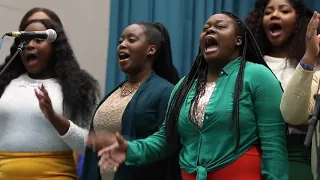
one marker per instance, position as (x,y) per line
(126,90)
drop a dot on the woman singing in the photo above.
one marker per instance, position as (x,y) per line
(137,107)
(33,146)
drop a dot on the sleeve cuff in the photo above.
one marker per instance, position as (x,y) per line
(76,138)
(302,78)
(70,130)
(304,72)
(131,154)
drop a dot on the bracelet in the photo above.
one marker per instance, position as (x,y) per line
(306,66)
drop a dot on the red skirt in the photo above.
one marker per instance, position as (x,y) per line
(247,167)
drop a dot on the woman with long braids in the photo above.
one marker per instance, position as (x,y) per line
(280,26)
(223,117)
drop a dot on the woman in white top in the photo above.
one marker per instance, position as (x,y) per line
(32,146)
(279,27)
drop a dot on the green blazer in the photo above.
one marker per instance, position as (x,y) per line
(142,117)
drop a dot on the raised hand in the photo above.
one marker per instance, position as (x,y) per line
(114,155)
(60,123)
(312,41)
(100,140)
(44,102)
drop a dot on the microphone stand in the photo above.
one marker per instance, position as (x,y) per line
(313,121)
(312,129)
(20,48)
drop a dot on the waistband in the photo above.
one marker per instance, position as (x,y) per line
(37,165)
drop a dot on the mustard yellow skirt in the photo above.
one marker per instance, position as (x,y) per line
(37,166)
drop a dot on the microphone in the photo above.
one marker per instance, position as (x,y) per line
(313,122)
(48,34)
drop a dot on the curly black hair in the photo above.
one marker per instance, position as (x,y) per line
(249,52)
(158,35)
(296,43)
(80,90)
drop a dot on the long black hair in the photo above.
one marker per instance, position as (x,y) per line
(250,52)
(52,15)
(297,43)
(80,90)
(158,35)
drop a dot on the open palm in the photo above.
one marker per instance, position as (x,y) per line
(114,155)
(312,40)
(44,102)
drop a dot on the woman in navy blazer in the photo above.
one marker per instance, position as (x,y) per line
(137,107)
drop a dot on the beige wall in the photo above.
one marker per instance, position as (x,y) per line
(86,23)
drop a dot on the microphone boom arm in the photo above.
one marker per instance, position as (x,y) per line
(20,48)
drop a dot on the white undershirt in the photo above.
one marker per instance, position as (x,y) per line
(23,127)
(284,69)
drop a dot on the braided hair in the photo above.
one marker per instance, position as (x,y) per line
(250,52)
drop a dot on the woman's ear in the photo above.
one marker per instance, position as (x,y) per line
(151,50)
(239,41)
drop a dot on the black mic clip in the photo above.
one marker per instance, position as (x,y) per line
(313,121)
